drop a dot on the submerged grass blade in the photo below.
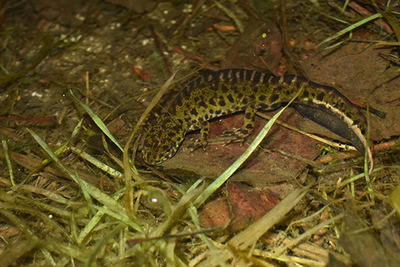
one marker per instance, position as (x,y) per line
(58,151)
(93,191)
(177,212)
(350,28)
(97,163)
(8,161)
(214,252)
(96,120)
(307,234)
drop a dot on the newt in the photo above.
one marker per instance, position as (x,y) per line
(214,94)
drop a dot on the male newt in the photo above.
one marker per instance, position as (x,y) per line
(217,93)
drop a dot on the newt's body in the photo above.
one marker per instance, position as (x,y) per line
(214,94)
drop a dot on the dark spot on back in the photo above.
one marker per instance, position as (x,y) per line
(276,105)
(224,88)
(194,112)
(273,98)
(262,98)
(230,98)
(263,106)
(203,104)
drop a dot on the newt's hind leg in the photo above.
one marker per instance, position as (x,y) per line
(203,140)
(240,134)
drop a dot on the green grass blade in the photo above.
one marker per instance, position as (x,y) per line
(94,192)
(350,28)
(96,120)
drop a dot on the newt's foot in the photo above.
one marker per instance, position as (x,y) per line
(236,135)
(198,143)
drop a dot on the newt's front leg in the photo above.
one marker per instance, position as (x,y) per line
(203,141)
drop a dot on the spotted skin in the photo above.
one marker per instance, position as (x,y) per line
(218,93)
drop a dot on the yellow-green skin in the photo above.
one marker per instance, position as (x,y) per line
(219,93)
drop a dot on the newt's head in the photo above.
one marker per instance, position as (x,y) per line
(162,139)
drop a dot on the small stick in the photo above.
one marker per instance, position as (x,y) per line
(161,50)
(132,242)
